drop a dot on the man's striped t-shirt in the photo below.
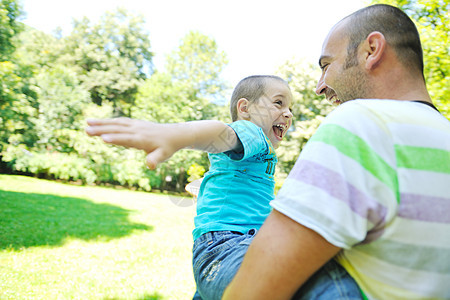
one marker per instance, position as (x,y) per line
(375,180)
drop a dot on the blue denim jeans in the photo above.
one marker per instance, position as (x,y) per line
(330,282)
(218,255)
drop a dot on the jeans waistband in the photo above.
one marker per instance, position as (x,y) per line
(209,236)
(215,234)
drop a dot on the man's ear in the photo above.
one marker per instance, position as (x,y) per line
(242,109)
(375,45)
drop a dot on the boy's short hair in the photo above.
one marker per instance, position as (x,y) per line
(250,88)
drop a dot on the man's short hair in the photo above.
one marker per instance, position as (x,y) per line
(398,29)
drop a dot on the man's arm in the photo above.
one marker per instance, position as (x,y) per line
(161,141)
(282,256)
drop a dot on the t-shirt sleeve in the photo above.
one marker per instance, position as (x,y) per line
(343,185)
(252,140)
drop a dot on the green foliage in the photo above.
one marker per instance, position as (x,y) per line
(308,111)
(432,19)
(184,93)
(38,49)
(51,165)
(174,171)
(48,86)
(195,172)
(10,11)
(89,161)
(111,164)
(161,99)
(100,70)
(17,104)
(198,62)
(17,100)
(111,57)
(61,100)
(195,68)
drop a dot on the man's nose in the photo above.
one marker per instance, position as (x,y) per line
(321,86)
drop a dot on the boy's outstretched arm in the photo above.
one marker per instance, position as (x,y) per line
(161,141)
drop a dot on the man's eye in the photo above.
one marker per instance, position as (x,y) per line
(279,102)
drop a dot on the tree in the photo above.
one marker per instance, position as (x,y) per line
(10,11)
(308,111)
(61,100)
(37,49)
(17,104)
(162,99)
(184,92)
(432,19)
(101,70)
(111,57)
(16,95)
(198,62)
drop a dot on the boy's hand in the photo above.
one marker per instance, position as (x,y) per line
(159,141)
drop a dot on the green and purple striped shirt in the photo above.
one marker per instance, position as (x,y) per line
(375,180)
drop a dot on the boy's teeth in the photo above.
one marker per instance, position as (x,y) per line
(281,128)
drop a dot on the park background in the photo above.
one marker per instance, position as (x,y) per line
(51,82)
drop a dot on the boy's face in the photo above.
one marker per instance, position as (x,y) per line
(272,111)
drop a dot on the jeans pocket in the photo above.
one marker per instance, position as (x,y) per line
(207,250)
(216,265)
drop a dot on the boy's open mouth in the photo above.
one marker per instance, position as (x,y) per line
(279,130)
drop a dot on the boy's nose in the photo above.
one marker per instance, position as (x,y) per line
(288,114)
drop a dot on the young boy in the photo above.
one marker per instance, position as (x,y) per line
(234,196)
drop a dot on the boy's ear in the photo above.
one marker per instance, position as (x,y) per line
(242,109)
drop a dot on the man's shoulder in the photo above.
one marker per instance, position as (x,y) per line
(363,118)
(383,109)
(382,104)
(371,103)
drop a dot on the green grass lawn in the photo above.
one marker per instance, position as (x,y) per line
(60,241)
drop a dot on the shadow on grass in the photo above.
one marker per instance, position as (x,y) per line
(28,220)
(154,296)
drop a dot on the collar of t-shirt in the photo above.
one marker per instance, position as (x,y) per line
(427,103)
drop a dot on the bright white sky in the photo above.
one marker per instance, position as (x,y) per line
(257,35)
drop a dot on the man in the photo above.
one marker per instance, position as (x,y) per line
(372,186)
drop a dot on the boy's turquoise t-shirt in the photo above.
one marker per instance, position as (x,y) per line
(236,191)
